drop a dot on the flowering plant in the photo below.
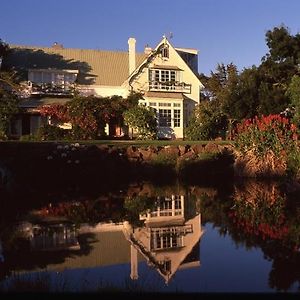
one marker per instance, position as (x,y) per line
(268,133)
(264,144)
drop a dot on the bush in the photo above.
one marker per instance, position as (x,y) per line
(28,138)
(207,123)
(52,133)
(143,120)
(264,145)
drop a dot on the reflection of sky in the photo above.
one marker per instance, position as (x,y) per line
(228,268)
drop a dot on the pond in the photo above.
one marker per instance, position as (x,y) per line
(228,237)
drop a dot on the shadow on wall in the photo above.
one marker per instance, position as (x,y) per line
(22,59)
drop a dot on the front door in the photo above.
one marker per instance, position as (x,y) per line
(25,124)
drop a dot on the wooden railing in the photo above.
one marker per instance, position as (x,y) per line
(170,86)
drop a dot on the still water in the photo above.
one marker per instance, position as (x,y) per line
(237,237)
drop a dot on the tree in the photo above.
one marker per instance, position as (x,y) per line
(293,92)
(8,94)
(207,122)
(143,120)
(277,69)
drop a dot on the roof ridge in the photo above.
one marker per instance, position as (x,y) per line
(73,49)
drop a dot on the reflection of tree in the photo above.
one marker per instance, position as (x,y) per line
(143,197)
(259,210)
(260,215)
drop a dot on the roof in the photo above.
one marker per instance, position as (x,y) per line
(100,249)
(99,67)
(166,67)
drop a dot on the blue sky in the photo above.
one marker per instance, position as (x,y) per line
(223,31)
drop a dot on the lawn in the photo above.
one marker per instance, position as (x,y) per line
(124,143)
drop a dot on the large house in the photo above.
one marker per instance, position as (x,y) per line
(166,76)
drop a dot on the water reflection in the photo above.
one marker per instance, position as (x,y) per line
(161,229)
(262,215)
(157,226)
(167,237)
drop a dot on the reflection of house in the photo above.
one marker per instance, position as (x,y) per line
(167,76)
(168,241)
(167,238)
(50,235)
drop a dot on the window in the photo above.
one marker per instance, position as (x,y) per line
(152,103)
(176,105)
(56,77)
(164,104)
(166,238)
(165,52)
(164,117)
(177,202)
(162,75)
(176,117)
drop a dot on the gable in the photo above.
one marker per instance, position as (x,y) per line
(174,62)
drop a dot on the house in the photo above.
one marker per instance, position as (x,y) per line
(166,76)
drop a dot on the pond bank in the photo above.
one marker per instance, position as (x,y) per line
(62,163)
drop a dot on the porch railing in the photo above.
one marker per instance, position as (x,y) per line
(170,86)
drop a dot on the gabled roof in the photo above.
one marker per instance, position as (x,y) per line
(147,60)
(108,68)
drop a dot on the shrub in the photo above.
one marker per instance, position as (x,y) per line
(207,123)
(51,133)
(264,144)
(143,120)
(28,138)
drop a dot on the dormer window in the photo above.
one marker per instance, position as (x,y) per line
(165,52)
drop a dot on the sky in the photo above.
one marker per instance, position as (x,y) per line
(223,31)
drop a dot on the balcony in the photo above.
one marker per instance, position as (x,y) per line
(30,89)
(170,86)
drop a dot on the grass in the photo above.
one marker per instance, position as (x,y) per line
(124,143)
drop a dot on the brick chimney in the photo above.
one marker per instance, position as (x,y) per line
(131,51)
(147,49)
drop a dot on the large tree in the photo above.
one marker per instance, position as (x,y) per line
(8,94)
(293,92)
(278,67)
(258,90)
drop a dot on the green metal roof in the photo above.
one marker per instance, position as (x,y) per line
(108,68)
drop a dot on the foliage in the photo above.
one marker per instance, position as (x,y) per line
(51,133)
(267,133)
(262,218)
(293,92)
(8,99)
(89,115)
(143,120)
(136,205)
(207,122)
(257,90)
(266,142)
